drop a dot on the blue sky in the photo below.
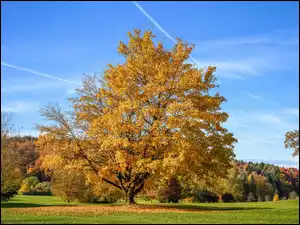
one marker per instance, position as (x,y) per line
(255,46)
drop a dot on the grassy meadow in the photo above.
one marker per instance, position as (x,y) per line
(51,209)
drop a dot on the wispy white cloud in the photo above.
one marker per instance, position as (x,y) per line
(269,118)
(159,27)
(254,96)
(23,85)
(71,91)
(243,57)
(234,69)
(261,133)
(259,120)
(257,97)
(266,39)
(246,57)
(292,111)
(20,106)
(153,21)
(36,72)
(286,111)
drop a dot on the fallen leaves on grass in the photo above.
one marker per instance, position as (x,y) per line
(96,210)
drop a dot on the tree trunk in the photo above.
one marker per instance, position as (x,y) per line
(133,188)
(220,198)
(130,198)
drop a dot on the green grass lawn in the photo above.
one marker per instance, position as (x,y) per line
(50,209)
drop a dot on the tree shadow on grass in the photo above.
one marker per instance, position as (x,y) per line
(30,221)
(200,208)
(15,200)
(27,205)
(139,206)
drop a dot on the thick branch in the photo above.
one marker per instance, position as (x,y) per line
(112,183)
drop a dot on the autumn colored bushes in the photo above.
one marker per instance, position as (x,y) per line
(32,186)
(246,182)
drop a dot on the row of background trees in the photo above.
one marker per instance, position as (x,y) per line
(247,181)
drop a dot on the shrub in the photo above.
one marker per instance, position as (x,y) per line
(109,199)
(227,197)
(162,196)
(43,188)
(31,181)
(146,198)
(9,194)
(205,196)
(88,196)
(172,193)
(28,184)
(149,194)
(25,188)
(105,193)
(188,200)
(285,188)
(276,198)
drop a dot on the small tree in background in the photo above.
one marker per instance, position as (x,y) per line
(276,197)
(11,174)
(171,193)
(292,141)
(263,187)
(68,184)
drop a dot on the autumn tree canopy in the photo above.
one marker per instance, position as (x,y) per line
(152,116)
(292,141)
(11,175)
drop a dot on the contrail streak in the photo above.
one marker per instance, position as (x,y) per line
(159,27)
(36,72)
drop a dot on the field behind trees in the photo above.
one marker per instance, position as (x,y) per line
(50,209)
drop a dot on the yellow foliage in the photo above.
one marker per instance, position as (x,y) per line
(188,200)
(276,198)
(25,188)
(151,116)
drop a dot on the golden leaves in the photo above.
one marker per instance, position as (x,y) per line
(292,141)
(152,114)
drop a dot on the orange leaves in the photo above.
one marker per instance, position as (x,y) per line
(153,114)
(292,141)
(275,198)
